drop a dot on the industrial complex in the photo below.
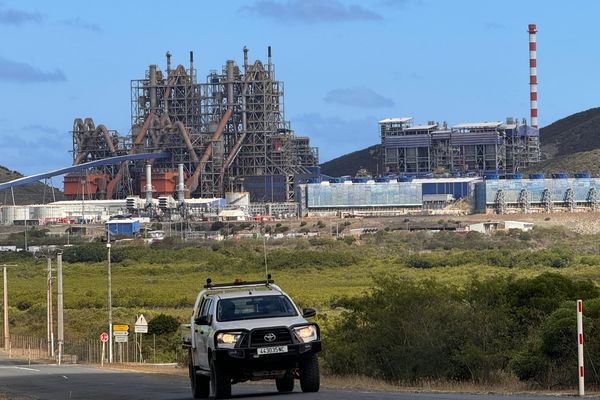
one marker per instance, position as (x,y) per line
(222,149)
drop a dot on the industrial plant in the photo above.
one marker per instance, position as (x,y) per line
(226,134)
(222,149)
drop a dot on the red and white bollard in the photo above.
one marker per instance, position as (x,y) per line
(580,346)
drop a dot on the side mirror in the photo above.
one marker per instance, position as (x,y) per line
(308,312)
(202,320)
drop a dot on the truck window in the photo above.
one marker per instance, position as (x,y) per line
(254,307)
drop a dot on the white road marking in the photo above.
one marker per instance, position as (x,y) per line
(64,376)
(28,369)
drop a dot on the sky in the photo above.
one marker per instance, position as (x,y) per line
(345,63)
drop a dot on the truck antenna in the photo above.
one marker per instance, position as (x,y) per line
(265,251)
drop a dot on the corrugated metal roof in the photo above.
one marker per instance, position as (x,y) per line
(420,127)
(400,120)
(471,125)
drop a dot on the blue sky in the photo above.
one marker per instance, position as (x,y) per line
(345,64)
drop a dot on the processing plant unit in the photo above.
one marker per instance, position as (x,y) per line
(229,132)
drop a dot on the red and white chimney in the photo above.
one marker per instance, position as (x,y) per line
(533,76)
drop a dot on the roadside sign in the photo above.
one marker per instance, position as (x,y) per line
(120,333)
(141,325)
(121,339)
(117,328)
(104,337)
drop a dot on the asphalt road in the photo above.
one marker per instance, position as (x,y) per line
(38,381)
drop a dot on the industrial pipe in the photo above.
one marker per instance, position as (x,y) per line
(168,63)
(192,182)
(229,67)
(153,99)
(111,146)
(245,58)
(138,139)
(148,184)
(180,185)
(269,57)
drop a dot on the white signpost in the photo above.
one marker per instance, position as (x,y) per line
(141,326)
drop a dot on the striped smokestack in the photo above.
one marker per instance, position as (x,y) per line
(533,76)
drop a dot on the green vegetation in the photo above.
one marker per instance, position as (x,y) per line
(457,307)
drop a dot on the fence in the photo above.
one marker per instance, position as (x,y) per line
(149,349)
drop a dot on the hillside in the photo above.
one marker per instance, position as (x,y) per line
(585,161)
(33,193)
(350,163)
(574,135)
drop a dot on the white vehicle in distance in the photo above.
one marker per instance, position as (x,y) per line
(250,331)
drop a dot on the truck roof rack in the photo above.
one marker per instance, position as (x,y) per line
(238,284)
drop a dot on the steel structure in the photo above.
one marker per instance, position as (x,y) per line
(227,130)
(471,147)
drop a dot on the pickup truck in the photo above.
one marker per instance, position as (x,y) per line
(250,331)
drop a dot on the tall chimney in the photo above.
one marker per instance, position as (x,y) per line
(168,63)
(153,98)
(191,63)
(270,63)
(180,185)
(533,76)
(245,58)
(148,184)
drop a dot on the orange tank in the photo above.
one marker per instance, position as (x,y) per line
(88,186)
(163,183)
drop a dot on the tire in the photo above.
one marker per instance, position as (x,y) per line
(285,384)
(200,384)
(310,380)
(220,381)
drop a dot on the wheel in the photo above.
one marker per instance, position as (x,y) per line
(285,384)
(220,381)
(200,384)
(310,380)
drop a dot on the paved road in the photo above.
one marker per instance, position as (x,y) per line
(87,383)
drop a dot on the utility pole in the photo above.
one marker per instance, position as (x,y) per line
(110,322)
(59,282)
(6,333)
(50,316)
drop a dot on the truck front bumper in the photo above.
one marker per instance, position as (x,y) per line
(249,359)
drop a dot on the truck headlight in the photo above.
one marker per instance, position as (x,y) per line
(306,333)
(228,339)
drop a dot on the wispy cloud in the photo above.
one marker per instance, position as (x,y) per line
(311,11)
(81,24)
(14,71)
(358,97)
(40,128)
(11,16)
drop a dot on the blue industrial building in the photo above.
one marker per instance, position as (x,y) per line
(128,227)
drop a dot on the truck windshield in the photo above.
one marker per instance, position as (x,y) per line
(239,308)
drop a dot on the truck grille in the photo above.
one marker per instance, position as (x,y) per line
(282,336)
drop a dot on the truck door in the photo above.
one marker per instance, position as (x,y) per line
(202,334)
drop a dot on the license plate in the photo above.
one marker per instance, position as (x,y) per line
(271,350)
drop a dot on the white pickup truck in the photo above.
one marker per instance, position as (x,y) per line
(250,331)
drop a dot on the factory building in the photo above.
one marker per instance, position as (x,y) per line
(475,148)
(382,196)
(537,194)
(229,132)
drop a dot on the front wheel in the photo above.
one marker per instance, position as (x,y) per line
(310,379)
(220,381)
(200,384)
(285,384)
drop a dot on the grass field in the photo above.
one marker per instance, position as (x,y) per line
(314,272)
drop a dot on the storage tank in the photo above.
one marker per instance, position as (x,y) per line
(560,175)
(46,212)
(241,199)
(514,176)
(10,214)
(537,176)
(583,175)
